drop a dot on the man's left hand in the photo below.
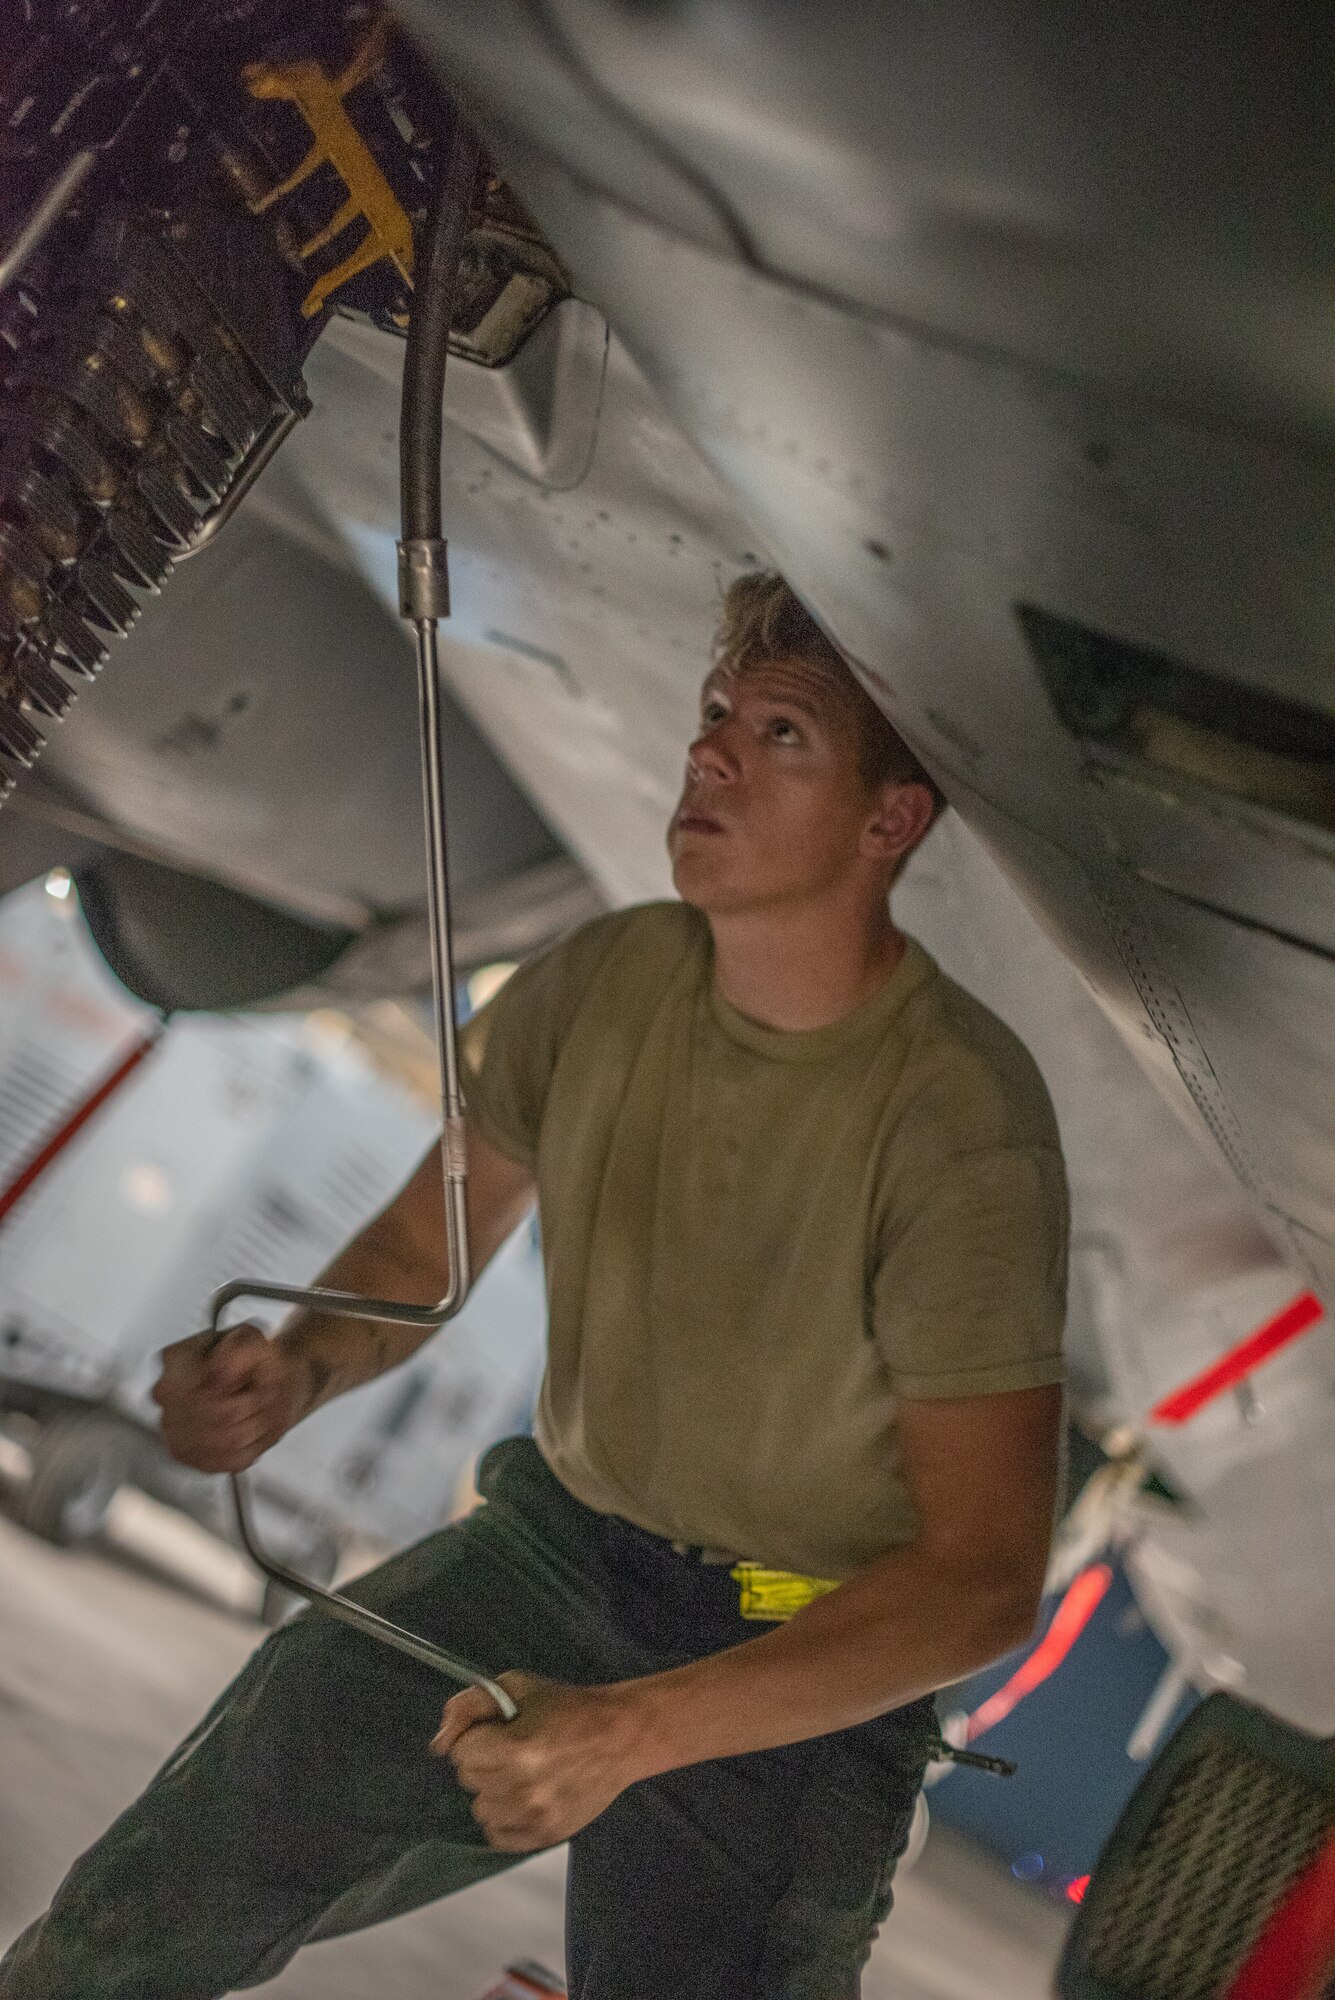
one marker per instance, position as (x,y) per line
(539,1779)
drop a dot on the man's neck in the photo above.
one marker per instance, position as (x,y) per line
(797,969)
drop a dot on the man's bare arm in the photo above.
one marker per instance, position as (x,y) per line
(223,1407)
(983,1474)
(403,1255)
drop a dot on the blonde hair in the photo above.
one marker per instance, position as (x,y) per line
(763,619)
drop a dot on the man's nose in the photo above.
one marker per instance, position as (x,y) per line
(712,756)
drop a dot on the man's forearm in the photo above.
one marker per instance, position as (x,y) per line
(340,1354)
(901,1628)
(402,1255)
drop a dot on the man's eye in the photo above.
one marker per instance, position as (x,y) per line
(713,711)
(782,730)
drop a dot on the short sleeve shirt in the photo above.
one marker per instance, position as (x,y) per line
(759,1242)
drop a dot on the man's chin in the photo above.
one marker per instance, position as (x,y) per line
(694,881)
(707,888)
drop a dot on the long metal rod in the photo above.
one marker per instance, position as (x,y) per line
(47,211)
(350,1305)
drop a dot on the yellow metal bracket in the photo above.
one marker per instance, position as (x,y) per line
(776,1593)
(338,143)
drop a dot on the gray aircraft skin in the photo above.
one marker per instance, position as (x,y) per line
(1005,334)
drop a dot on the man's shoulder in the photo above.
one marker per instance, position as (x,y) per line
(617,963)
(967,1071)
(662,930)
(570,1006)
(667,922)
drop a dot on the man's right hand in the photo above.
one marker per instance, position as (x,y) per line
(222,1410)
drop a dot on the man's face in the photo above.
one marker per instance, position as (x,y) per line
(775,806)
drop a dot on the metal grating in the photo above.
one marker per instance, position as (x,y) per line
(266,1240)
(352,1185)
(38,1088)
(284,1238)
(1230,1837)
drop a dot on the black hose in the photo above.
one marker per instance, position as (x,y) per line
(437,268)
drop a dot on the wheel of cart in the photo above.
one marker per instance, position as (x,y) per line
(79,1463)
(1218,1881)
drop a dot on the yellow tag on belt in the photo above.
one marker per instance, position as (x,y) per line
(776,1593)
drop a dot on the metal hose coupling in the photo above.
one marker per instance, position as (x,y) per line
(424,578)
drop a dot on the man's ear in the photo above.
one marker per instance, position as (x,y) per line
(901,814)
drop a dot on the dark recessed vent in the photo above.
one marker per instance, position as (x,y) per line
(1179,719)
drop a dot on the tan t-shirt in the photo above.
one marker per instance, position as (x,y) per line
(758,1241)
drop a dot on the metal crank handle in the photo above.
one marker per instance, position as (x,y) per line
(345,1305)
(335,1605)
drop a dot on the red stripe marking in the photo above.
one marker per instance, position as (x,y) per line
(1296,1950)
(1238,1363)
(77,1119)
(1069,1620)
